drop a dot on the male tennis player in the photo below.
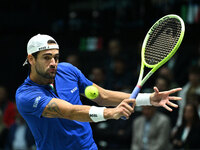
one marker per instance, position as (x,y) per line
(50,103)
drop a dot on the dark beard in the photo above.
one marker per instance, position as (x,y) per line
(45,74)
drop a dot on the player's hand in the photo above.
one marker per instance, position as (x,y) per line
(163,99)
(123,109)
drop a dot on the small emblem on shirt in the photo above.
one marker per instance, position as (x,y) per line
(36,101)
(74,89)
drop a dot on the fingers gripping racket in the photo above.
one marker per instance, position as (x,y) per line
(160,44)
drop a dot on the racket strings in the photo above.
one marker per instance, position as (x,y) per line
(162,40)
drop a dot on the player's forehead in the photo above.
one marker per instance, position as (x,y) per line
(49,52)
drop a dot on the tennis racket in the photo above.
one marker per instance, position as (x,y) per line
(160,44)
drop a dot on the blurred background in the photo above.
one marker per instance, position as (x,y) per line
(103,39)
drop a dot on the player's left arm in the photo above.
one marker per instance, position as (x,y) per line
(113,98)
(109,97)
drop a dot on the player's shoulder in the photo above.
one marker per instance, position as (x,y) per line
(66,67)
(26,89)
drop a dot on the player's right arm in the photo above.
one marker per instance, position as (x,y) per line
(58,108)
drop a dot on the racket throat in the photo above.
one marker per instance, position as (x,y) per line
(138,86)
(135,92)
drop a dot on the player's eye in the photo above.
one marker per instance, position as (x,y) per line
(47,58)
(56,58)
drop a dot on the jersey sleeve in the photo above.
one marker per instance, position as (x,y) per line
(32,101)
(83,82)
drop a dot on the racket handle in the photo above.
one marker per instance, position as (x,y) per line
(134,94)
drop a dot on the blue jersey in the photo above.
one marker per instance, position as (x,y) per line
(56,133)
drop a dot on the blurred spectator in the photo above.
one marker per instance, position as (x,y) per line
(189,90)
(98,76)
(74,60)
(3,132)
(161,6)
(7,114)
(112,134)
(114,51)
(196,60)
(19,136)
(119,78)
(151,130)
(195,99)
(167,73)
(188,134)
(114,48)
(3,98)
(7,107)
(163,83)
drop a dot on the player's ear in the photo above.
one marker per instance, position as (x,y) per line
(31,59)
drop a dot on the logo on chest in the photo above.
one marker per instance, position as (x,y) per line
(74,89)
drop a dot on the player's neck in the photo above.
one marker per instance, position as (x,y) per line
(40,80)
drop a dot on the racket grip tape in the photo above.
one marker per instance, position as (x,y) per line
(134,94)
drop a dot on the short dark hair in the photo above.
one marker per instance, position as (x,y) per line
(195,117)
(51,42)
(167,80)
(35,55)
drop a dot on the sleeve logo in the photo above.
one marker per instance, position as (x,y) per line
(36,101)
(74,89)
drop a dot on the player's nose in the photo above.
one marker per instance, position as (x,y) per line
(53,62)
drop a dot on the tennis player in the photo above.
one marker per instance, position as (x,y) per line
(49,100)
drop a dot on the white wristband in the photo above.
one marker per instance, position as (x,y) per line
(96,113)
(143,99)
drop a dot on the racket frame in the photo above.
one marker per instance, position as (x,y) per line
(158,65)
(141,81)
